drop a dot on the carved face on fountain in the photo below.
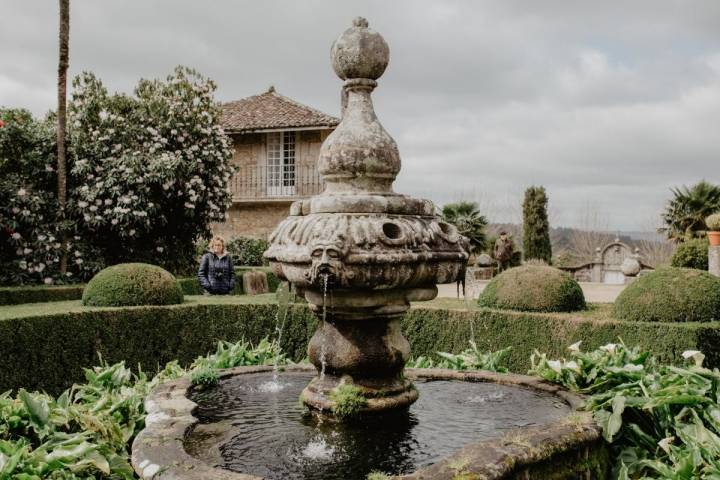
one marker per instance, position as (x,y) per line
(327,260)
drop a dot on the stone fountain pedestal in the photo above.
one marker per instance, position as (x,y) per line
(360,252)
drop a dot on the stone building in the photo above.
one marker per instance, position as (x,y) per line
(615,263)
(276,145)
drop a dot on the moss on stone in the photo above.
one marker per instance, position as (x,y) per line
(671,295)
(533,288)
(130,284)
(348,400)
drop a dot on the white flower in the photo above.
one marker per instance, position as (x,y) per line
(82,204)
(16,236)
(696,355)
(665,444)
(93,208)
(575,347)
(572,366)
(555,365)
(48,281)
(160,249)
(41,238)
(23,265)
(68,274)
(27,251)
(22,192)
(79,261)
(131,232)
(77,253)
(114,221)
(40,267)
(610,347)
(189,205)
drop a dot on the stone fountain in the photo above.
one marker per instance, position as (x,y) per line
(359,252)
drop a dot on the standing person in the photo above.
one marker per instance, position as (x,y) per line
(503,251)
(217,273)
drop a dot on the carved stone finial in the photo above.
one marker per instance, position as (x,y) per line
(359,156)
(360,52)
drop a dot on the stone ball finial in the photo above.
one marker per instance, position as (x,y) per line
(630,267)
(360,52)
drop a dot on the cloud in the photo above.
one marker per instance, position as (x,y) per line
(601,102)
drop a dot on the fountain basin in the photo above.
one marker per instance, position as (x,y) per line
(566,445)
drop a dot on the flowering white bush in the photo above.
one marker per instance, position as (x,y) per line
(30,247)
(148,174)
(151,171)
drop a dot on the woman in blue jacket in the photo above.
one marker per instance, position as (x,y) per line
(217,274)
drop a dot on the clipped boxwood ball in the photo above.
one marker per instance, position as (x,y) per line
(533,288)
(129,284)
(670,295)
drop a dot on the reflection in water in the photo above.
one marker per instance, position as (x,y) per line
(248,429)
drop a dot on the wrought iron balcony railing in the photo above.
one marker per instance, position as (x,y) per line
(275,182)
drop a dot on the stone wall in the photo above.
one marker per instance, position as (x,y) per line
(253,219)
(714,260)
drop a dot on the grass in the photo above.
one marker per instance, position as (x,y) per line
(9,312)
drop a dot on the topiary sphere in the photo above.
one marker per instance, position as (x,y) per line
(129,284)
(534,288)
(670,295)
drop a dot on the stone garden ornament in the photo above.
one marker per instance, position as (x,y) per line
(359,252)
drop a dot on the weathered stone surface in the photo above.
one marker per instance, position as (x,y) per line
(567,449)
(255,283)
(359,251)
(714,260)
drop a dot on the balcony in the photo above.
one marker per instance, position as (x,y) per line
(275,183)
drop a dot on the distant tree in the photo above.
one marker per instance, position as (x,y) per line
(685,213)
(469,222)
(536,228)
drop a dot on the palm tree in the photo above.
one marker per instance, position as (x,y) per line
(685,213)
(469,222)
(63,62)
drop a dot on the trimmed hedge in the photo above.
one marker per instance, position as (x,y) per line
(533,288)
(691,253)
(128,284)
(40,293)
(671,295)
(48,352)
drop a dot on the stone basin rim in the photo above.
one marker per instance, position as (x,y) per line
(159,448)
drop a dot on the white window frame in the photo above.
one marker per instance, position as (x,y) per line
(281,167)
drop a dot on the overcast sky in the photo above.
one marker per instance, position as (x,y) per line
(607,104)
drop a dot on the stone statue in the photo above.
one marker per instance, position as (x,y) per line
(503,251)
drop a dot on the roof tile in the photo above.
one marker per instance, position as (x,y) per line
(271,110)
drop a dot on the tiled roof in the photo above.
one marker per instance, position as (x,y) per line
(271,110)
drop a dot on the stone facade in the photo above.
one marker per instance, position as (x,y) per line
(261,196)
(616,263)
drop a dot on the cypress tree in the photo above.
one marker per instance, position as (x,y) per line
(536,228)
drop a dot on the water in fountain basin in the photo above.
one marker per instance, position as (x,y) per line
(283,297)
(271,435)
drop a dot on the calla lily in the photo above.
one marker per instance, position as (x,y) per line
(696,355)
(610,347)
(555,365)
(575,347)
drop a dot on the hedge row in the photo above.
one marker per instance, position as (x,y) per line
(40,294)
(49,352)
(36,294)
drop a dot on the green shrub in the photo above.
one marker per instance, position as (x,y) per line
(691,254)
(671,295)
(713,222)
(130,284)
(204,377)
(246,251)
(38,294)
(533,288)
